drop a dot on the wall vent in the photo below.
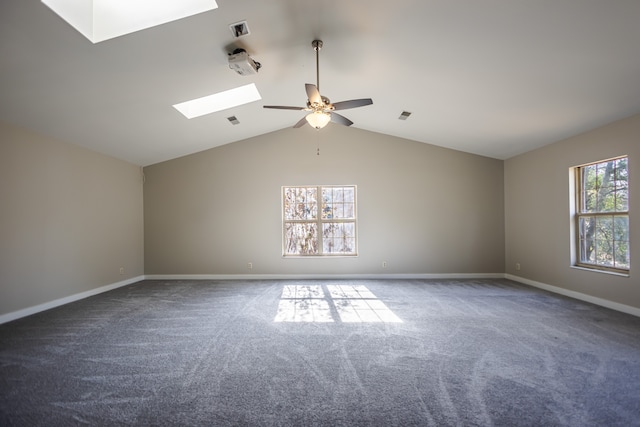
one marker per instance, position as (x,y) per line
(233,120)
(404,115)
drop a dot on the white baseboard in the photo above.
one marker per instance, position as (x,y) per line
(8,317)
(4,318)
(321,276)
(577,295)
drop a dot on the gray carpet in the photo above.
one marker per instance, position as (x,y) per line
(466,353)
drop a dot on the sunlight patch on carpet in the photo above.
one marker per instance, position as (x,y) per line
(346,303)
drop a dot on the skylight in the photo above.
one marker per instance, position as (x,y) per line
(219,101)
(100,20)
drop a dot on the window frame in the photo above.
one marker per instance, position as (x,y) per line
(580,212)
(319,221)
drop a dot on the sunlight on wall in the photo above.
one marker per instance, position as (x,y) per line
(326,303)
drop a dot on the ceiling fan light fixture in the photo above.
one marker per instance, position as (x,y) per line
(318,119)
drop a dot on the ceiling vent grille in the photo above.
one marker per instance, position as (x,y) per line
(404,115)
(233,120)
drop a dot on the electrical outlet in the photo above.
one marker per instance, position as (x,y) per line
(121,270)
(517,266)
(250,265)
(384,264)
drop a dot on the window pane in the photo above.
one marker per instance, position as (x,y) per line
(327,203)
(349,195)
(604,227)
(601,169)
(604,252)
(621,242)
(622,172)
(300,203)
(338,203)
(301,239)
(589,198)
(604,241)
(332,202)
(586,231)
(312,202)
(349,210)
(587,253)
(338,237)
(588,190)
(622,185)
(622,199)
(622,259)
(338,194)
(607,198)
(621,228)
(289,203)
(327,194)
(587,226)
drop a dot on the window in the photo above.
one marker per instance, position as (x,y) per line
(602,215)
(319,220)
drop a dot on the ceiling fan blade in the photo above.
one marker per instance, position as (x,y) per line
(301,123)
(343,105)
(283,107)
(313,94)
(341,120)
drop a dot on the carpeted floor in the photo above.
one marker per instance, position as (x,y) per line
(305,353)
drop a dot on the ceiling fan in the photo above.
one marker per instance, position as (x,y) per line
(321,110)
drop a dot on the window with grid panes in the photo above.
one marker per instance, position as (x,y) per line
(319,220)
(602,215)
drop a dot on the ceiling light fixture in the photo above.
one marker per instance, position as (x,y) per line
(318,119)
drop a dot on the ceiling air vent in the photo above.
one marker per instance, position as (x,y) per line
(239,29)
(405,115)
(233,120)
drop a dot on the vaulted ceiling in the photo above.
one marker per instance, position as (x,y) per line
(490,77)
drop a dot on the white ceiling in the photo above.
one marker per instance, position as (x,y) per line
(490,77)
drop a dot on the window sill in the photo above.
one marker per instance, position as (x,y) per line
(595,270)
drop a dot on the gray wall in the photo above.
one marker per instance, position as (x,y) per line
(69,219)
(422,208)
(538,220)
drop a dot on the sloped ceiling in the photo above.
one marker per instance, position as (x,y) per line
(490,77)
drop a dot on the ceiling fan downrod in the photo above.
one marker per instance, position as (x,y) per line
(317,45)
